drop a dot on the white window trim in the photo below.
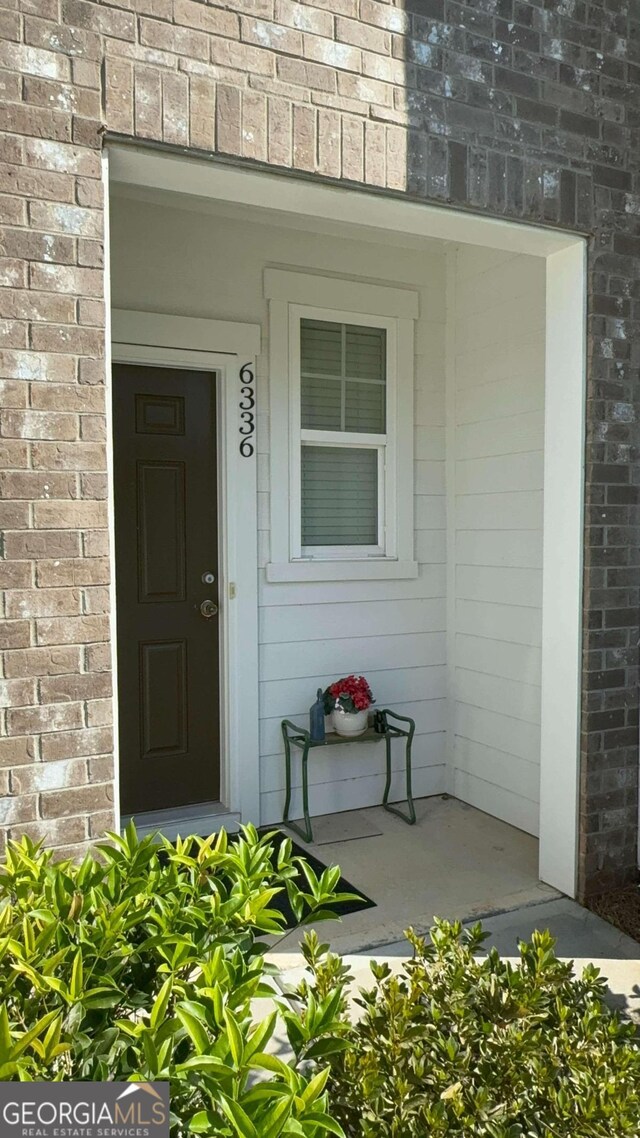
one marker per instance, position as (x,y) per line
(293,296)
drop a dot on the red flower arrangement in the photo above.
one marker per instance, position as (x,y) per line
(351,694)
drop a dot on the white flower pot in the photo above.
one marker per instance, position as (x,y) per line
(349,722)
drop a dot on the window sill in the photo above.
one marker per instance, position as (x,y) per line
(372,570)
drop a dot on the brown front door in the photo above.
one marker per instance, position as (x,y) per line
(166,547)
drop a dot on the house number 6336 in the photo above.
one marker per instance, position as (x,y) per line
(247,428)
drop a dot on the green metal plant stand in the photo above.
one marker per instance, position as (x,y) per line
(299,737)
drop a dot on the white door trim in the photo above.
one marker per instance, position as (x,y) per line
(224,347)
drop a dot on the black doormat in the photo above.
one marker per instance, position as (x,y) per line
(341,908)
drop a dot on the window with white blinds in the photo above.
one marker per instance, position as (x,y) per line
(341,409)
(343,417)
(339,496)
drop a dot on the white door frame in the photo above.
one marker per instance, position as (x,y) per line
(223,347)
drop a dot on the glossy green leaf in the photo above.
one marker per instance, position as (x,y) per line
(194,1029)
(240,1121)
(161,1003)
(235,1037)
(77,976)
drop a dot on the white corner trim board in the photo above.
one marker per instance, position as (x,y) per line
(562,565)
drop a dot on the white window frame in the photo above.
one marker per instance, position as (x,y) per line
(352,440)
(292,297)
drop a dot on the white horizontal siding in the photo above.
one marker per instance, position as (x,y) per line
(430,512)
(491,751)
(279,697)
(514,548)
(498,768)
(429,406)
(515,433)
(429,444)
(500,397)
(362,618)
(512,314)
(366,654)
(506,282)
(511,511)
(519,359)
(515,809)
(432,544)
(496,474)
(514,624)
(429,477)
(500,731)
(495,693)
(497,658)
(500,584)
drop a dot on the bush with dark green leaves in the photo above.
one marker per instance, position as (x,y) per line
(465,1044)
(144,965)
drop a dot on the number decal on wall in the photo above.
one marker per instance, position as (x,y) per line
(247,404)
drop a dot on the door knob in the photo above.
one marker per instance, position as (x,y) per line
(208,609)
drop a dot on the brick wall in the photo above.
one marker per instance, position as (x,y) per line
(524,108)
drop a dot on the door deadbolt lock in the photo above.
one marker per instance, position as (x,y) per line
(208,609)
(208,578)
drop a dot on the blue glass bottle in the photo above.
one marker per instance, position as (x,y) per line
(316,719)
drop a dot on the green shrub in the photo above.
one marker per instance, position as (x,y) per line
(461,1044)
(144,966)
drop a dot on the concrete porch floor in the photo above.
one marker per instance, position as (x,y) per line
(456,862)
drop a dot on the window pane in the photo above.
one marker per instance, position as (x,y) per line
(366,353)
(321,347)
(321,407)
(339,496)
(343,377)
(365,407)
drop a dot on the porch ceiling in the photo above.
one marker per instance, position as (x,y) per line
(239,211)
(294,195)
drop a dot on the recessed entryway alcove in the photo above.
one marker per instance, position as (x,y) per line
(468,620)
